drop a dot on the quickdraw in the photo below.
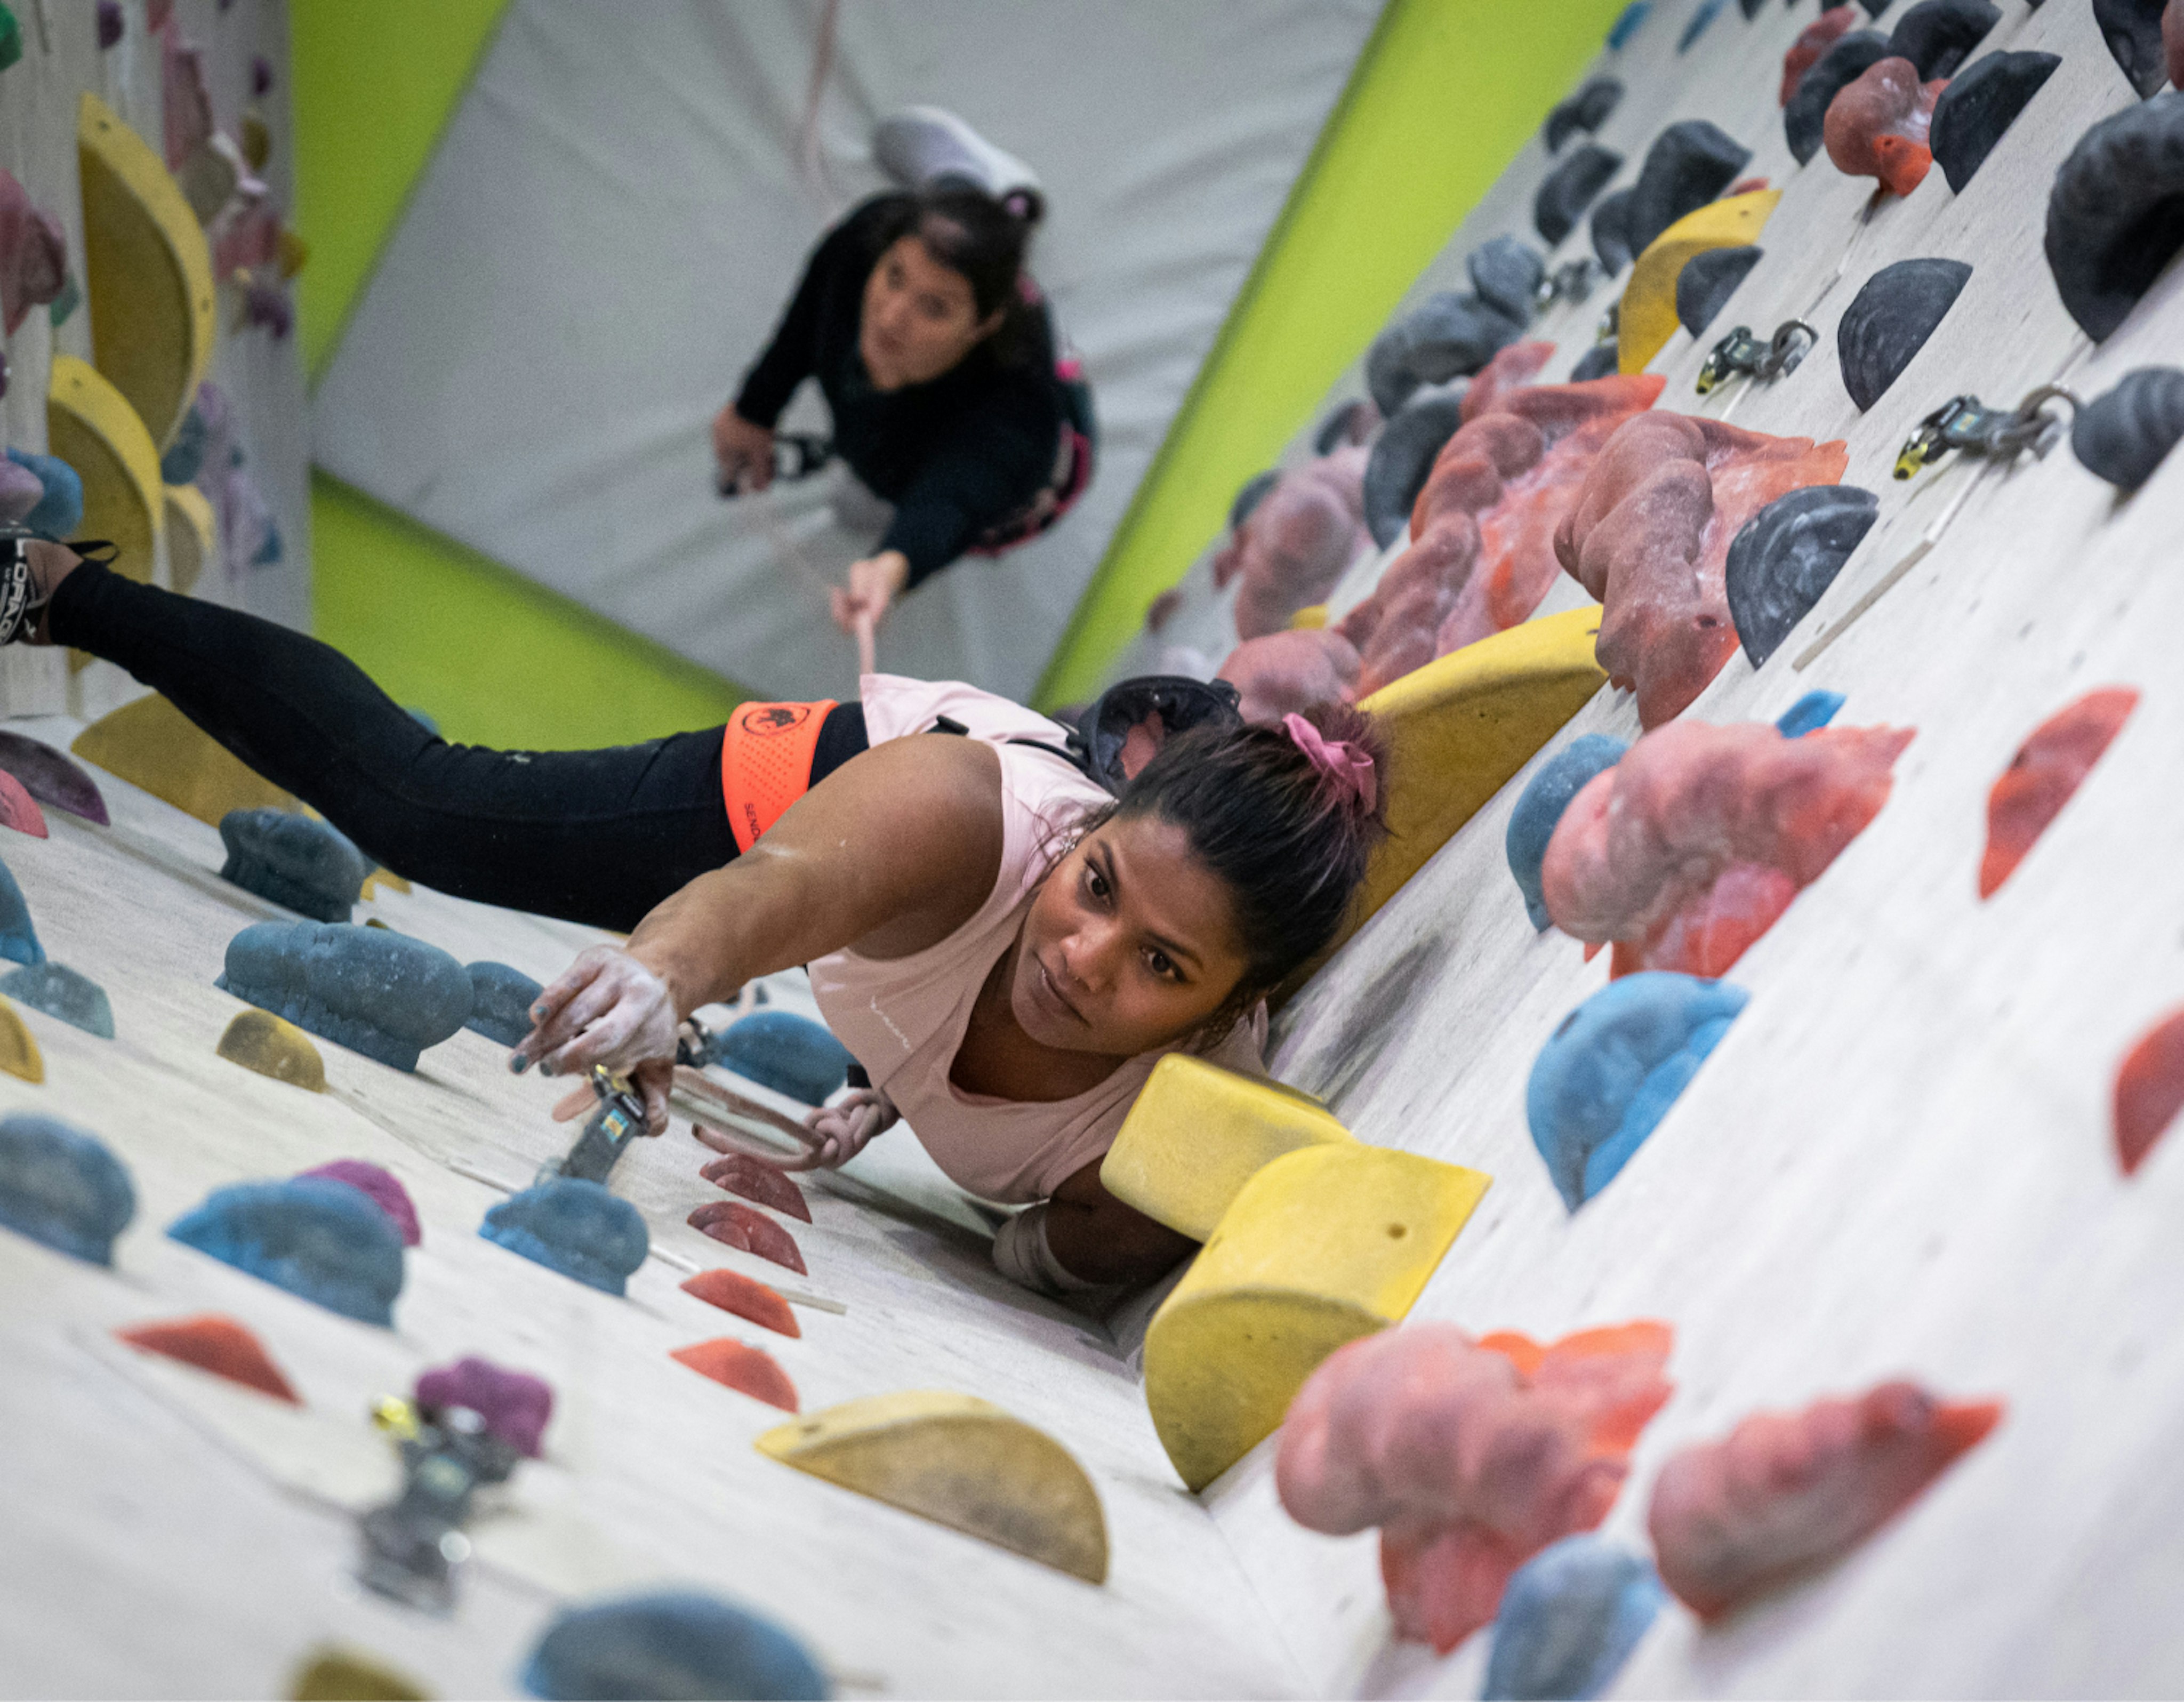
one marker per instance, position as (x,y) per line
(1966,423)
(1742,352)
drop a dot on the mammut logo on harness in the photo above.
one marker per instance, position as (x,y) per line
(768,719)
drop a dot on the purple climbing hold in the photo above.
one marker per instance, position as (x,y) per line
(51,778)
(110,22)
(516,1407)
(261,77)
(381,1188)
(21,490)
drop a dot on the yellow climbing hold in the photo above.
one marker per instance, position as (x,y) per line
(89,425)
(386,878)
(19,1051)
(150,744)
(1324,1245)
(192,533)
(1198,1133)
(960,1462)
(259,1041)
(332,1674)
(294,253)
(1647,317)
(1310,618)
(147,271)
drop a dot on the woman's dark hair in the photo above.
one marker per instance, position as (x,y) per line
(1289,841)
(986,240)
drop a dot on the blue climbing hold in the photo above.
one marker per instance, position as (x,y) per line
(1627,23)
(1809,713)
(62,1187)
(184,459)
(59,992)
(1697,27)
(1540,806)
(1569,1619)
(322,1241)
(575,1227)
(500,1002)
(309,866)
(1610,1073)
(60,510)
(674,1644)
(19,940)
(789,1053)
(369,988)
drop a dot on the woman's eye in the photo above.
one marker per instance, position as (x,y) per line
(1095,882)
(1163,966)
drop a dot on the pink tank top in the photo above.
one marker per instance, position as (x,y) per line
(904,1020)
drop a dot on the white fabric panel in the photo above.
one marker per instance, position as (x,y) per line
(617,215)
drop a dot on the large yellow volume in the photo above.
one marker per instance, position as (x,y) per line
(147,271)
(1647,317)
(1324,1245)
(151,744)
(960,1462)
(89,425)
(1198,1133)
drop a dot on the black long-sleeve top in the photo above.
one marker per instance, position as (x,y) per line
(955,454)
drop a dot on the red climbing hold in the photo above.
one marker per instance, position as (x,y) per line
(748,1370)
(2046,771)
(745,1296)
(18,810)
(1810,47)
(215,1344)
(748,1232)
(2149,1089)
(754,1179)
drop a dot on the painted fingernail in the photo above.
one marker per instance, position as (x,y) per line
(539,1010)
(545,1069)
(518,1063)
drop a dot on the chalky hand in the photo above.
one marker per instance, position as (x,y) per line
(607,1008)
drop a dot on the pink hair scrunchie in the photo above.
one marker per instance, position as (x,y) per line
(1347,765)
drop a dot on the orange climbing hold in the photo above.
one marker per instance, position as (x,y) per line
(2048,768)
(747,1371)
(758,1180)
(215,1344)
(2149,1089)
(745,1296)
(748,1232)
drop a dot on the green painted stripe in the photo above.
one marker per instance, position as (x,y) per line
(1444,94)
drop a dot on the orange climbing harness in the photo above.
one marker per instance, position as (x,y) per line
(766,764)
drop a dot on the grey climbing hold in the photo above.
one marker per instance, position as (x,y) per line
(1889,321)
(500,1002)
(673,1645)
(53,779)
(184,459)
(59,992)
(1446,335)
(1803,120)
(1786,554)
(1938,36)
(1808,714)
(2115,217)
(59,512)
(1689,165)
(19,940)
(1611,230)
(1569,190)
(1978,106)
(63,1188)
(309,866)
(1586,111)
(1402,455)
(1506,275)
(322,1241)
(1599,361)
(1541,804)
(370,989)
(1251,495)
(2133,29)
(784,1051)
(2122,437)
(575,1227)
(1569,1619)
(1708,281)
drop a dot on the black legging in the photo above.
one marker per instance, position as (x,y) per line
(592,836)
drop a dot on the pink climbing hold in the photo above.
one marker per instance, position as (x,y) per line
(1470,1456)
(1687,850)
(2040,779)
(185,101)
(514,1405)
(2149,1089)
(381,1188)
(33,255)
(216,1344)
(755,1179)
(1877,125)
(1812,46)
(1786,1494)
(1511,369)
(248,241)
(750,1371)
(748,1232)
(1286,673)
(747,1298)
(1295,544)
(18,810)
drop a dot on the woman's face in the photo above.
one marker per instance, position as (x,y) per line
(920,318)
(1128,945)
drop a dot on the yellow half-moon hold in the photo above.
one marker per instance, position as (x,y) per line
(146,271)
(193,535)
(1310,618)
(18,1049)
(960,1462)
(1197,1133)
(343,1675)
(89,425)
(1647,317)
(382,877)
(1324,1245)
(151,744)
(259,1041)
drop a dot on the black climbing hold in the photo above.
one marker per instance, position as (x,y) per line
(1599,361)
(62,1187)
(309,866)
(1701,20)
(59,992)
(1803,120)
(1249,496)
(1611,230)
(1689,165)
(1586,111)
(1750,8)
(1506,275)
(671,1644)
(1977,106)
(370,989)
(2116,216)
(2122,436)
(1708,281)
(1397,471)
(1938,36)
(500,1002)
(1890,321)
(1446,335)
(1570,188)
(2133,29)
(1787,554)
